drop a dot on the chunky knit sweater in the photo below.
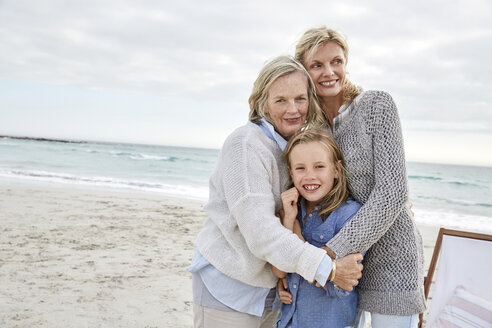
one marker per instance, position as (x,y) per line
(371,141)
(241,234)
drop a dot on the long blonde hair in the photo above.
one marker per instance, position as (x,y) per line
(310,42)
(339,193)
(274,69)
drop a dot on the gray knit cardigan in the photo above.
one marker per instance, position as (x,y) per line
(372,143)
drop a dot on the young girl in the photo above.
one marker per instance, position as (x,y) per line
(316,167)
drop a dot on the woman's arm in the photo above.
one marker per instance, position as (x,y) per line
(251,173)
(389,195)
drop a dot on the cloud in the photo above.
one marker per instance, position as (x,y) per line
(432,56)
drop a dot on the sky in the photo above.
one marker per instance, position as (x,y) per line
(180,72)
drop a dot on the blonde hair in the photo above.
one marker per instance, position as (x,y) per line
(312,40)
(339,193)
(274,69)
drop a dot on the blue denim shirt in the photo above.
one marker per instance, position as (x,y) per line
(313,306)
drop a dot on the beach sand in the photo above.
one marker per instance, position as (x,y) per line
(73,257)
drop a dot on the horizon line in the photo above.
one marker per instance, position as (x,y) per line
(79,141)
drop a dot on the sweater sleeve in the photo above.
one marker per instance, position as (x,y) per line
(248,187)
(390,192)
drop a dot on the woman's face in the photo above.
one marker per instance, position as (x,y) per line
(327,69)
(288,103)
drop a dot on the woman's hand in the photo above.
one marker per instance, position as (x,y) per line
(348,271)
(284,295)
(289,202)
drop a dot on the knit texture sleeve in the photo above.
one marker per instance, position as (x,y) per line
(390,192)
(251,179)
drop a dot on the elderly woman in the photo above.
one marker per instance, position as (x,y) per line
(367,128)
(232,277)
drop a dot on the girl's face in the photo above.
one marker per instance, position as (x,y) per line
(288,103)
(327,69)
(312,170)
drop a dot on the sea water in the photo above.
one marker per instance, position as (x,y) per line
(453,196)
(169,170)
(443,195)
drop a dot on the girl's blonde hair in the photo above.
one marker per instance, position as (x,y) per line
(310,42)
(339,193)
(274,69)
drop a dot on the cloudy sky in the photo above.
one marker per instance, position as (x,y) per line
(180,72)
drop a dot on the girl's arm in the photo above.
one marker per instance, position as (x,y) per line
(289,203)
(283,293)
(288,218)
(278,273)
(297,230)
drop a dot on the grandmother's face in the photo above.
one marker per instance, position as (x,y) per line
(288,103)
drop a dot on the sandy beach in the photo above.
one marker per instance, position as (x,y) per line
(94,258)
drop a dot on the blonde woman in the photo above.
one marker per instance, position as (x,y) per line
(232,278)
(367,128)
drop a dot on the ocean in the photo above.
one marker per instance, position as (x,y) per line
(452,196)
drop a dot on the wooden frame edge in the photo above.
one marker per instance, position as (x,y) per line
(437,250)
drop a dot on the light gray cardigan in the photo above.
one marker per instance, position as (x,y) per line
(241,234)
(372,143)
